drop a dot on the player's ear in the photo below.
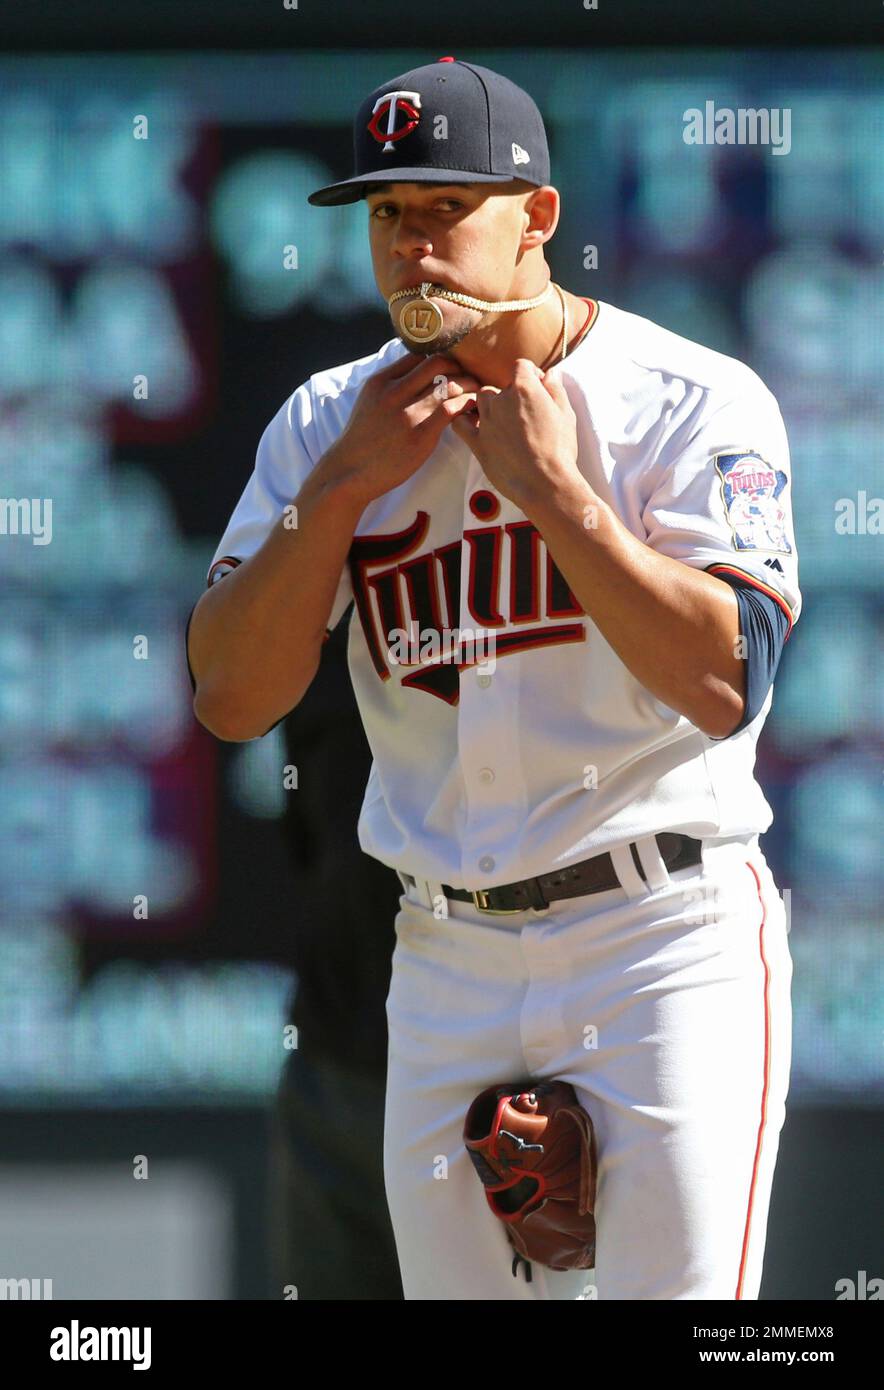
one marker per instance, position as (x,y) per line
(540,216)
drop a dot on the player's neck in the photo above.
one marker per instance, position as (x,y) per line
(490,352)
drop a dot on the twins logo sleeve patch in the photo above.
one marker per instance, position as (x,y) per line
(750,489)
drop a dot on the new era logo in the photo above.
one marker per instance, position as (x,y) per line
(520,156)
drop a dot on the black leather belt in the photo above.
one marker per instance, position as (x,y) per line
(596,875)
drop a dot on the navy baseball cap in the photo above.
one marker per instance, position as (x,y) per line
(446,122)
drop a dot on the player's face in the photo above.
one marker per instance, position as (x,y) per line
(465,237)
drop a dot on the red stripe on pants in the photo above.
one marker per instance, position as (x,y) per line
(764,1093)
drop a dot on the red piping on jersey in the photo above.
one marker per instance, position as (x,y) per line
(762,1123)
(757,584)
(593,315)
(224,560)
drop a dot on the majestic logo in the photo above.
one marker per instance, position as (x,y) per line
(750,489)
(397,588)
(520,156)
(391,106)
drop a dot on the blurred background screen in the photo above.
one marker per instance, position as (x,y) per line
(151,325)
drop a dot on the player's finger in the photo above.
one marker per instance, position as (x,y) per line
(484,397)
(447,412)
(464,404)
(466,426)
(449,386)
(552,381)
(412,375)
(434,421)
(525,371)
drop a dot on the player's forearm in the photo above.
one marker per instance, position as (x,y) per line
(256,635)
(674,627)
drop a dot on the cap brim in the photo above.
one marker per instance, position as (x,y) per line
(351,190)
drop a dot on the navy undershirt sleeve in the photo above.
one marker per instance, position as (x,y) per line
(764,625)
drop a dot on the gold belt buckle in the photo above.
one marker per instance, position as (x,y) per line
(479,893)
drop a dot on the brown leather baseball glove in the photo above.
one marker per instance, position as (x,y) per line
(533,1146)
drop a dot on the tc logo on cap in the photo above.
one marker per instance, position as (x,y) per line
(390,105)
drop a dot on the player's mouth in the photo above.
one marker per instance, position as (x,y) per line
(435,280)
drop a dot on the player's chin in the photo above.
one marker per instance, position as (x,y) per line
(450,336)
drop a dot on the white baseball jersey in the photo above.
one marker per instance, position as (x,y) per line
(550,751)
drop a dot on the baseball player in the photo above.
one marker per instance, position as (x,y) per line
(565,629)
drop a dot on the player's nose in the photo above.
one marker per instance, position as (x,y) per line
(411,237)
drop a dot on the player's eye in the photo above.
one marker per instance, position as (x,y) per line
(384,211)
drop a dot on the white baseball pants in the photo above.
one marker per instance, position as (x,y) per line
(669,1012)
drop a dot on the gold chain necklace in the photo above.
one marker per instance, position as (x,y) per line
(565,324)
(421,320)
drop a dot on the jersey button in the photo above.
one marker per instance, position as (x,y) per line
(486,774)
(484,682)
(486,864)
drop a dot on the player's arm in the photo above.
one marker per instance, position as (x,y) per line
(674,627)
(255,637)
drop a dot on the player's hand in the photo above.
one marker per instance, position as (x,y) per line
(397,421)
(525,437)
